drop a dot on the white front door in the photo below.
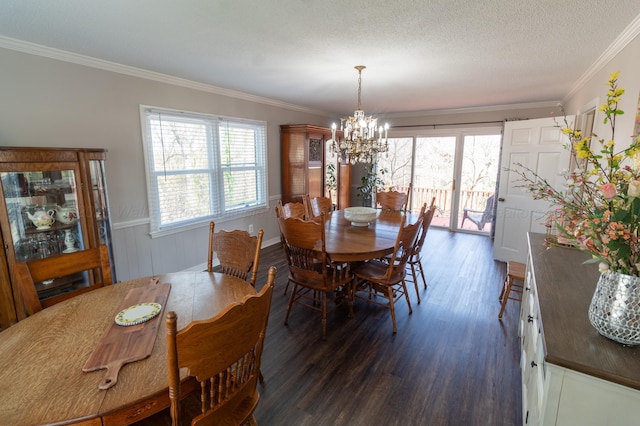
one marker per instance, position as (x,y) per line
(539,145)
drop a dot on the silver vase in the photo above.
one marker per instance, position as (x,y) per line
(615,307)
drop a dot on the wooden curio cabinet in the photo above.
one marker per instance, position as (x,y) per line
(52,201)
(306,163)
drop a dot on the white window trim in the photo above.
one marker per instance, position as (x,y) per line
(154,220)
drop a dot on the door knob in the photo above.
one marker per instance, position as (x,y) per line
(500,199)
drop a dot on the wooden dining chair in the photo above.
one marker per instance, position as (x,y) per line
(386,279)
(94,261)
(316,206)
(311,271)
(392,199)
(415,259)
(280,213)
(223,354)
(294,209)
(237,251)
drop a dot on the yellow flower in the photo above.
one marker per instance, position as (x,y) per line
(581,154)
(600,200)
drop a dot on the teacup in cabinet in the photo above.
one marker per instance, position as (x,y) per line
(67,215)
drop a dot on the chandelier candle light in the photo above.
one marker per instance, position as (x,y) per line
(359,142)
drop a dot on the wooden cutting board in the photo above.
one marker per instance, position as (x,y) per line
(123,344)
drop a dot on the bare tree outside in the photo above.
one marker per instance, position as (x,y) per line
(480,163)
(398,162)
(432,174)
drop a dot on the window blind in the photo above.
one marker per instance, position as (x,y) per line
(202,167)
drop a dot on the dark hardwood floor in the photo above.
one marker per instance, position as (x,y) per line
(452,361)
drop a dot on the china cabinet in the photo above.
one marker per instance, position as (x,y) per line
(306,160)
(570,374)
(52,201)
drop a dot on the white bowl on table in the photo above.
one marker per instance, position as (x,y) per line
(360,216)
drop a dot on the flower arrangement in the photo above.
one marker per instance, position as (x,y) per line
(599,207)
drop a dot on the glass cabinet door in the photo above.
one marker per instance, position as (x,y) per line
(101,207)
(100,204)
(44,212)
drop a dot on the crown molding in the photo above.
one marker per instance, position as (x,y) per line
(62,55)
(627,36)
(469,110)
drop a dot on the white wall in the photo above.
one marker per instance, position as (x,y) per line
(627,61)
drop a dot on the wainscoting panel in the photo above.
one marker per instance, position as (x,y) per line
(138,255)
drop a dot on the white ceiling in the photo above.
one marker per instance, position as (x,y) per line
(420,54)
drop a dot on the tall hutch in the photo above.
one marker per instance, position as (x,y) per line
(52,201)
(306,162)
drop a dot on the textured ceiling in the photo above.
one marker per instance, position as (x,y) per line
(420,55)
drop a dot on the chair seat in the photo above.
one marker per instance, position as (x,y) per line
(334,280)
(241,413)
(375,270)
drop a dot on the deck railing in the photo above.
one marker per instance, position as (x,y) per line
(469,199)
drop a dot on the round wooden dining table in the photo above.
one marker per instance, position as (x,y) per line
(348,243)
(42,357)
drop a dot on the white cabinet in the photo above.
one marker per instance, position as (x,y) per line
(532,355)
(570,374)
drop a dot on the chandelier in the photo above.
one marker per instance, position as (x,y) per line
(361,139)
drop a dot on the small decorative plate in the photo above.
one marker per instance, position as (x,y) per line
(138,314)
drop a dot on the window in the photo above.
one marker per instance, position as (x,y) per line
(202,167)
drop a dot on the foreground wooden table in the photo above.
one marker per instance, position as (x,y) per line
(348,243)
(41,380)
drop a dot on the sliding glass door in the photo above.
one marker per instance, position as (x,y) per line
(434,175)
(478,177)
(458,168)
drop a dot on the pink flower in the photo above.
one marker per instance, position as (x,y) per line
(608,190)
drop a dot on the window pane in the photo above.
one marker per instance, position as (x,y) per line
(237,146)
(240,189)
(398,163)
(178,144)
(434,174)
(183,197)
